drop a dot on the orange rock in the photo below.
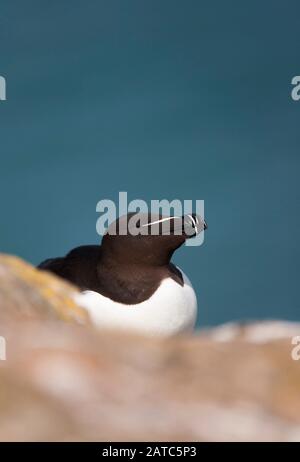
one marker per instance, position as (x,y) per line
(28,292)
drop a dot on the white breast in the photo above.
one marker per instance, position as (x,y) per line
(171,310)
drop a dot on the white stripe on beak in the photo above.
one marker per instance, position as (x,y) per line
(159,221)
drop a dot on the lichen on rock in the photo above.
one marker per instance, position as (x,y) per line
(27,292)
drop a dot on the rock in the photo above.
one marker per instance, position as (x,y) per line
(66,381)
(113,387)
(255,332)
(26,414)
(26,292)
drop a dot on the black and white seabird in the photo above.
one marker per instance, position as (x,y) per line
(129,281)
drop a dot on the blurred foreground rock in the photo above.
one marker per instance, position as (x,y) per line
(26,292)
(65,381)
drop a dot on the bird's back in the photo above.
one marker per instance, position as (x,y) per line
(79,266)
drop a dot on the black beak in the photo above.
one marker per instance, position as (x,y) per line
(193,224)
(187,225)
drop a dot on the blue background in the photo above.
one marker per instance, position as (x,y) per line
(163,99)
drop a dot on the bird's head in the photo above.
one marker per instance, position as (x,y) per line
(149,239)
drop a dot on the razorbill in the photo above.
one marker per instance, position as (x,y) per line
(128,281)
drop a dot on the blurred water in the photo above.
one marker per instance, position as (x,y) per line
(187,100)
